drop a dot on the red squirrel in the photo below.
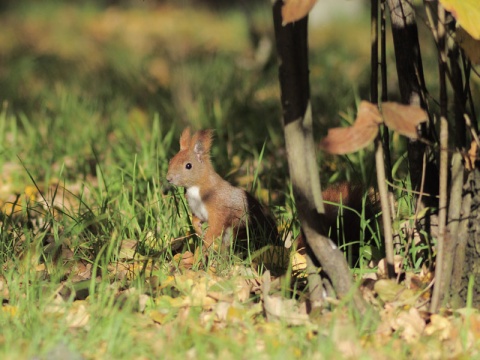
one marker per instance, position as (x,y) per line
(232,212)
(228,210)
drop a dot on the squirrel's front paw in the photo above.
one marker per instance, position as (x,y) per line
(197,225)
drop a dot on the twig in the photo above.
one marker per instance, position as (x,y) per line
(438,289)
(384,203)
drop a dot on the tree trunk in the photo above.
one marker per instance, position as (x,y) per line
(292,49)
(412,87)
(467,255)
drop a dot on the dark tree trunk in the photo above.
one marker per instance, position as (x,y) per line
(292,49)
(462,268)
(466,272)
(412,87)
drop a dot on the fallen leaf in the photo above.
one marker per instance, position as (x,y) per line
(243,290)
(78,316)
(294,10)
(440,326)
(388,290)
(4,292)
(160,317)
(280,309)
(397,265)
(221,311)
(299,261)
(409,324)
(185,260)
(128,249)
(403,119)
(341,141)
(10,310)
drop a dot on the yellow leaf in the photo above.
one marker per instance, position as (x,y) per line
(166,301)
(235,313)
(31,193)
(467,13)
(299,262)
(11,310)
(158,316)
(388,290)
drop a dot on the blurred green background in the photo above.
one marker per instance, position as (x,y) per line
(96,69)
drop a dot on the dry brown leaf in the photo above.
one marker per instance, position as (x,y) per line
(410,324)
(471,157)
(368,113)
(403,119)
(397,264)
(78,316)
(281,309)
(185,260)
(294,10)
(83,270)
(341,141)
(470,45)
(4,292)
(243,288)
(440,326)
(127,249)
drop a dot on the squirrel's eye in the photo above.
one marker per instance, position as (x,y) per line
(188,166)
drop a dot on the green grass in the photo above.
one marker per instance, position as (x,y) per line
(92,108)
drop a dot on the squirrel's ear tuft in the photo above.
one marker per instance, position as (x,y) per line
(185,139)
(202,142)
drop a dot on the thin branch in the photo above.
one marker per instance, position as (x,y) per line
(384,203)
(438,289)
(374,52)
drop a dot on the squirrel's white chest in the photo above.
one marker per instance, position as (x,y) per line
(196,204)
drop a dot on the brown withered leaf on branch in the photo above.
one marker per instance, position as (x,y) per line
(470,45)
(293,10)
(471,157)
(341,141)
(403,119)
